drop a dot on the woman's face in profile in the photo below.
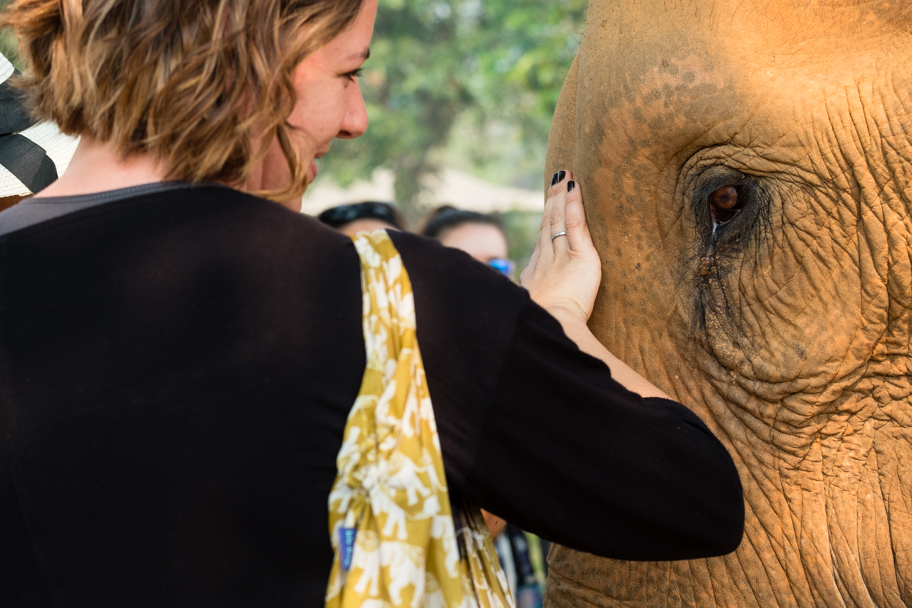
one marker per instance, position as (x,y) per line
(329,103)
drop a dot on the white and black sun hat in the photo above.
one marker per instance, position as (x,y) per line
(32,153)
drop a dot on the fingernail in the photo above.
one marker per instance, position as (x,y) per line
(554,179)
(560,176)
(571,185)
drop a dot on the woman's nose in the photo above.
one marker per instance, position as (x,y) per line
(355,124)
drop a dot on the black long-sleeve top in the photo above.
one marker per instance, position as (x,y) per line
(176,369)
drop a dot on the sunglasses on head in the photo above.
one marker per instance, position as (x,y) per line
(345,214)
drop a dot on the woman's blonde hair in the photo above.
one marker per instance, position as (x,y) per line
(197,84)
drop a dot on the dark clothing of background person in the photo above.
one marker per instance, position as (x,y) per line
(176,369)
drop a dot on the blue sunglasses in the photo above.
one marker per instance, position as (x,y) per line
(502,266)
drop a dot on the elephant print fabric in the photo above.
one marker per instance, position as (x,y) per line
(389,509)
(747,165)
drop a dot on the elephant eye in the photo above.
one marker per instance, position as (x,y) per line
(725,203)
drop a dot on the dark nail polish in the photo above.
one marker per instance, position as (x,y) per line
(571,185)
(560,176)
(554,179)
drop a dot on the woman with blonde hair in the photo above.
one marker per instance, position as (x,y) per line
(209,399)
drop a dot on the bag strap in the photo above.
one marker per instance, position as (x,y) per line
(390,516)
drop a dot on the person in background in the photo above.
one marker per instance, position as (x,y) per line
(480,235)
(363,217)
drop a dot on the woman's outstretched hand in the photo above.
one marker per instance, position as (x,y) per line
(564,272)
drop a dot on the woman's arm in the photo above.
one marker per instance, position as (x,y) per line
(570,454)
(600,462)
(537,430)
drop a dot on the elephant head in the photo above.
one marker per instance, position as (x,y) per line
(747,172)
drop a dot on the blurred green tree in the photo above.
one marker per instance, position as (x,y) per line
(489,69)
(8,45)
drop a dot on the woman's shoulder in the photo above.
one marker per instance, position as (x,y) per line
(205,223)
(204,207)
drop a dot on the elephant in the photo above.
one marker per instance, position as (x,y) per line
(746,170)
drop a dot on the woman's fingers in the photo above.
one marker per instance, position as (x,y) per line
(559,241)
(578,235)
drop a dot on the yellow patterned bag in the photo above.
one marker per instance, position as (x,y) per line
(392,529)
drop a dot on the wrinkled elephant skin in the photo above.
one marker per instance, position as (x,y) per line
(746,166)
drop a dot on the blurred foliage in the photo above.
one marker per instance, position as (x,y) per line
(8,45)
(465,82)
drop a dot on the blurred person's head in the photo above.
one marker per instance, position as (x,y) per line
(243,92)
(360,217)
(479,234)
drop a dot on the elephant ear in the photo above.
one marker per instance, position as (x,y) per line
(562,139)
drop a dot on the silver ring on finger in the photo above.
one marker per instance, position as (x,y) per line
(557,234)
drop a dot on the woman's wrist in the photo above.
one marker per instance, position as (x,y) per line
(567,314)
(575,327)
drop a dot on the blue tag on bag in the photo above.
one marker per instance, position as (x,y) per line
(346,546)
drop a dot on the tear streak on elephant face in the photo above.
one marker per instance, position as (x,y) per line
(746,166)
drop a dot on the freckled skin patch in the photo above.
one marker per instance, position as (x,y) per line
(785,326)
